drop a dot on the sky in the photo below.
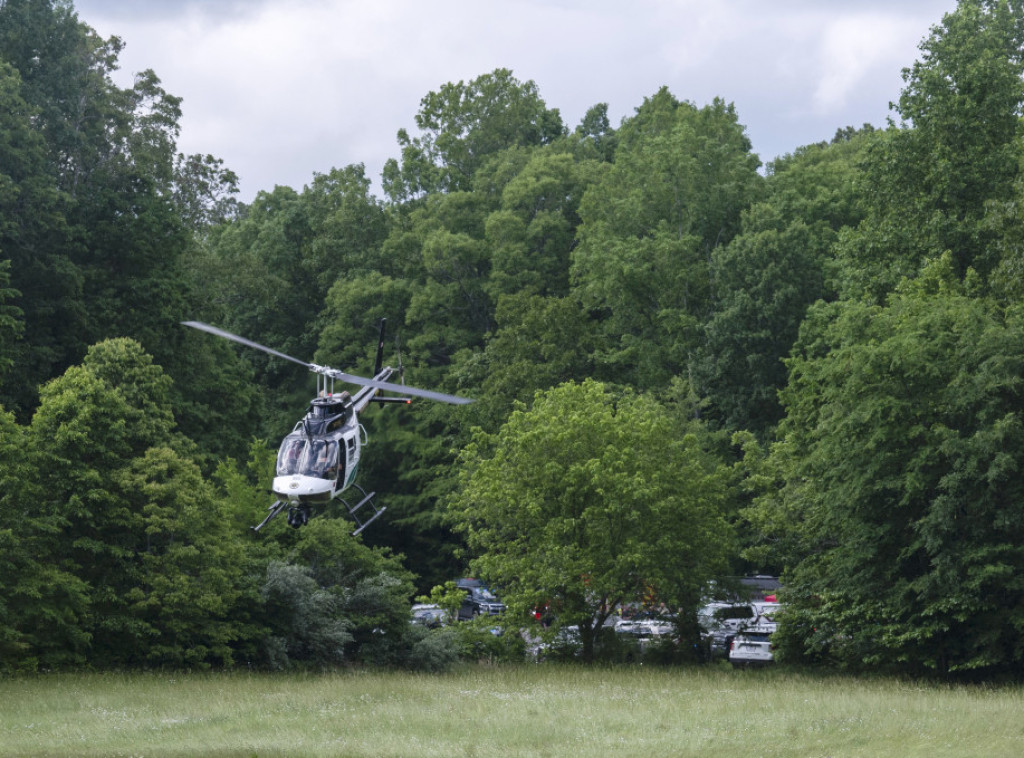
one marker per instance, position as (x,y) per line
(281,90)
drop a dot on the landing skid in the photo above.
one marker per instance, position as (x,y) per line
(275,508)
(367,499)
(298,515)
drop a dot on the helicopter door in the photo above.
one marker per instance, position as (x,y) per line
(352,457)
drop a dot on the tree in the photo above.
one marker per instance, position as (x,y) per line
(138,527)
(11,324)
(533,232)
(336,600)
(461,124)
(680,178)
(588,500)
(899,482)
(538,343)
(767,276)
(193,589)
(44,285)
(348,225)
(97,219)
(954,153)
(42,603)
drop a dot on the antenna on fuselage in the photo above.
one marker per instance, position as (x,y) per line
(379,364)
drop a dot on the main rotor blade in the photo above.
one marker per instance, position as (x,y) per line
(333,373)
(406,389)
(242,340)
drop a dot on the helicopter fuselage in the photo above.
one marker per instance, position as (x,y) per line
(318,460)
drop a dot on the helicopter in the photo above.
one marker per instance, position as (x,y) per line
(318,460)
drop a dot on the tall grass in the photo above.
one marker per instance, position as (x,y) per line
(515,711)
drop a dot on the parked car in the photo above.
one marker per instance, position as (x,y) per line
(480,601)
(722,621)
(751,649)
(429,615)
(767,615)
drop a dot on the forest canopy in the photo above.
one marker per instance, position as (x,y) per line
(688,364)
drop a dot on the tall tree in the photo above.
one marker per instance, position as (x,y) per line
(954,152)
(42,603)
(460,125)
(139,527)
(767,276)
(900,497)
(99,233)
(681,176)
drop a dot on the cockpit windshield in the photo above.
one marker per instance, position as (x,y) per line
(321,459)
(301,455)
(290,454)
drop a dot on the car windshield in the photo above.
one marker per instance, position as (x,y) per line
(482,593)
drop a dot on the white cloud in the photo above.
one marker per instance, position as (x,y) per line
(857,50)
(281,90)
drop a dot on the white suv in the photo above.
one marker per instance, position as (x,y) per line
(751,648)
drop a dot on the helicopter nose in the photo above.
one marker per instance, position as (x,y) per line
(302,488)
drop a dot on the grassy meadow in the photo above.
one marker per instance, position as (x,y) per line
(542,710)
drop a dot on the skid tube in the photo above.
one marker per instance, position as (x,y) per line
(367,499)
(275,508)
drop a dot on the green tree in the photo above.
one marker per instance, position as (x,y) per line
(334,600)
(307,626)
(138,526)
(192,587)
(538,343)
(348,225)
(460,125)
(531,235)
(954,152)
(588,500)
(45,286)
(897,482)
(42,603)
(11,324)
(680,179)
(767,276)
(97,225)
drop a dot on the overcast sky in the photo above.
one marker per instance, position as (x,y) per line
(283,89)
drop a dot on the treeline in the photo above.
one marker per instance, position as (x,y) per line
(815,367)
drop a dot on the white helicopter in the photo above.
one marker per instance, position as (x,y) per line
(318,460)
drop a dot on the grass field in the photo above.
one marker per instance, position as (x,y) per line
(515,711)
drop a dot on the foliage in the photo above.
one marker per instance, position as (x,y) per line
(954,153)
(899,462)
(680,179)
(448,597)
(463,123)
(307,627)
(842,330)
(157,570)
(588,500)
(768,275)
